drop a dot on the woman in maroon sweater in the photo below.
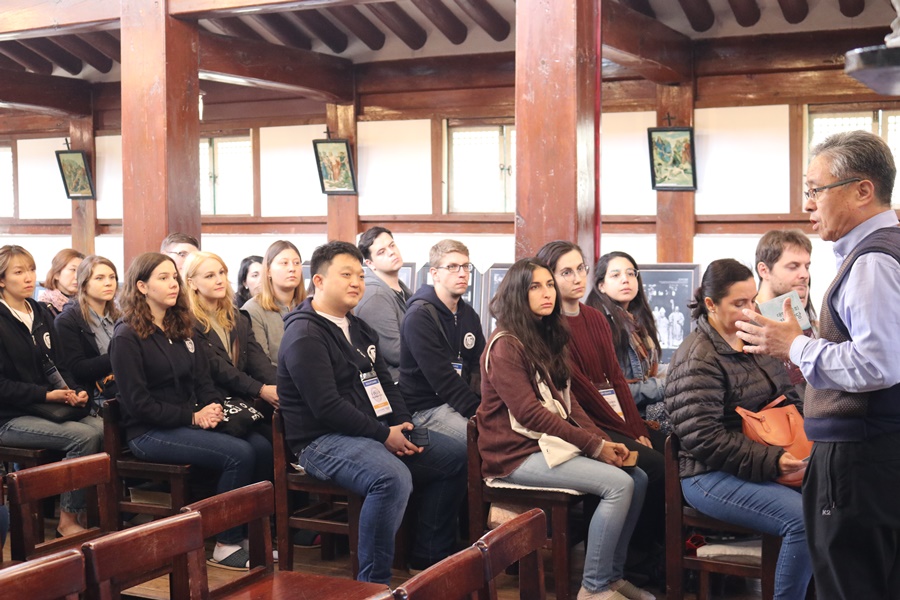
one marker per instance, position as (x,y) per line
(603,392)
(525,370)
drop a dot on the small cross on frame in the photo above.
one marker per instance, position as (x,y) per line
(668,119)
(327,133)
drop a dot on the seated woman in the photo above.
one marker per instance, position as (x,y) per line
(281,291)
(249,279)
(525,367)
(61,283)
(601,390)
(85,327)
(618,292)
(723,473)
(238,366)
(170,406)
(29,380)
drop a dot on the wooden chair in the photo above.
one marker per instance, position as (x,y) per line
(26,458)
(558,505)
(680,517)
(29,487)
(455,578)
(336,511)
(518,540)
(122,559)
(58,576)
(126,466)
(253,505)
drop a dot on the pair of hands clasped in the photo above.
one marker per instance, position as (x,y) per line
(397,442)
(67,396)
(209,416)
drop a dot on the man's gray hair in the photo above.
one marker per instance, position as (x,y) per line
(860,154)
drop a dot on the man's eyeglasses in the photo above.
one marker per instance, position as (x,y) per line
(813,193)
(629,273)
(569,274)
(181,254)
(453,268)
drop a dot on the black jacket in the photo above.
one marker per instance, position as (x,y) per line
(706,380)
(79,353)
(252,368)
(22,380)
(427,377)
(319,389)
(161,382)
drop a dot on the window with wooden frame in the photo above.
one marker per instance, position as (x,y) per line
(480,167)
(226,176)
(7,183)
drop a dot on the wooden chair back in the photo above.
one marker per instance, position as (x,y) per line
(57,576)
(120,560)
(455,578)
(518,540)
(251,505)
(29,487)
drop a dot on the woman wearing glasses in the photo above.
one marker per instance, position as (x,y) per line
(618,292)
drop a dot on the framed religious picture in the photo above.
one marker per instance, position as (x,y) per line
(335,163)
(669,287)
(492,278)
(76,174)
(672,165)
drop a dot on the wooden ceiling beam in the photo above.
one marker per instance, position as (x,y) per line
(84,51)
(9,64)
(105,43)
(359,25)
(398,21)
(45,94)
(56,55)
(852,8)
(446,22)
(487,18)
(205,9)
(794,11)
(25,57)
(257,64)
(645,45)
(746,12)
(237,28)
(319,25)
(28,18)
(642,6)
(699,14)
(283,30)
(472,71)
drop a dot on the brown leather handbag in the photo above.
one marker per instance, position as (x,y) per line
(779,426)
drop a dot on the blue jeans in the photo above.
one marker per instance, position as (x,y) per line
(365,467)
(239,461)
(75,438)
(768,507)
(621,496)
(445,419)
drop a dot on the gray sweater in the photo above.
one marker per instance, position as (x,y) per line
(383,310)
(268,327)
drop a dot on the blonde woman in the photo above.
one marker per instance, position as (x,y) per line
(237,363)
(282,290)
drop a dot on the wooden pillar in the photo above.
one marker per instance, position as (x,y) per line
(343,211)
(84,212)
(675,220)
(555,69)
(160,126)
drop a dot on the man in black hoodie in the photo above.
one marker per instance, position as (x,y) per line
(346,420)
(440,347)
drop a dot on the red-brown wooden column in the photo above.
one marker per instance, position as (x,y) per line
(675,220)
(555,67)
(84,212)
(160,126)
(343,211)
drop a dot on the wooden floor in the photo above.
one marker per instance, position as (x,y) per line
(309,560)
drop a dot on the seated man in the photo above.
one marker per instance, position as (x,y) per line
(346,420)
(440,345)
(178,246)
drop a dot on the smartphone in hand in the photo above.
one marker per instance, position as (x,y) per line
(418,436)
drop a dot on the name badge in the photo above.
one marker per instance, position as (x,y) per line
(457,366)
(609,394)
(375,392)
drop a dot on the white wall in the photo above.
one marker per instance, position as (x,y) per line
(394,167)
(108,178)
(289,181)
(42,194)
(625,187)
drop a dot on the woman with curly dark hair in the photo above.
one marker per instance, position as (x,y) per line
(170,406)
(525,399)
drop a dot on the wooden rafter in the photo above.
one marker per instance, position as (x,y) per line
(398,21)
(258,64)
(237,28)
(642,6)
(487,18)
(9,64)
(55,54)
(852,8)
(359,25)
(45,94)
(284,30)
(699,14)
(746,12)
(104,42)
(319,25)
(446,22)
(25,57)
(645,45)
(84,51)
(794,11)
